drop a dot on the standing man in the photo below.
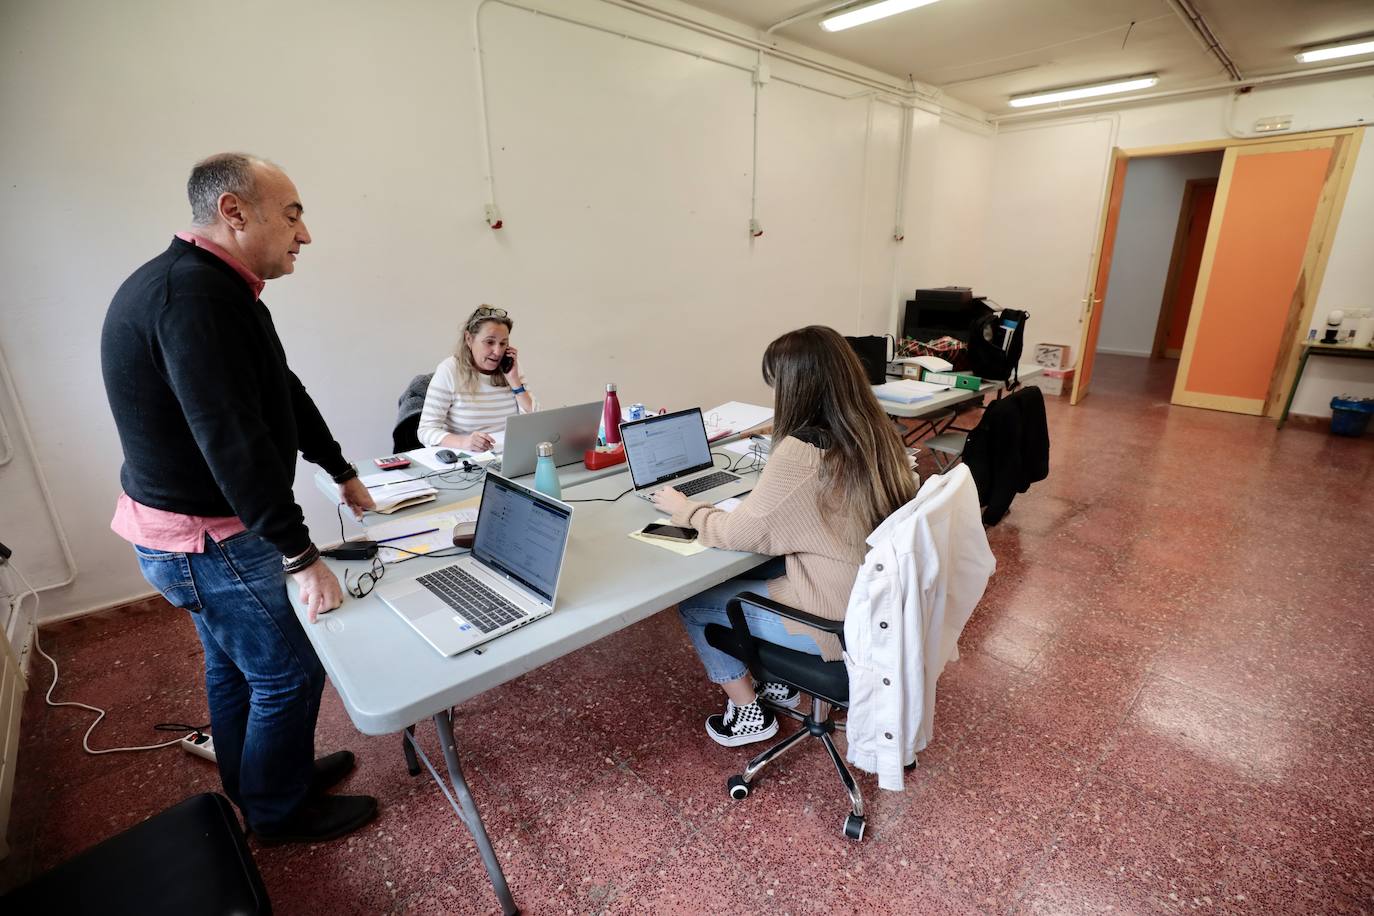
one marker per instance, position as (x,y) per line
(210,418)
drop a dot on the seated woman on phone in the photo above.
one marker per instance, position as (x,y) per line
(836,470)
(474,390)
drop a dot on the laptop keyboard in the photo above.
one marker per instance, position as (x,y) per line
(701,484)
(482,607)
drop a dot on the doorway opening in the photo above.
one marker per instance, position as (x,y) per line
(1273,214)
(1166,205)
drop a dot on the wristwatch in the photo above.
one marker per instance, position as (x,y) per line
(292,565)
(346,474)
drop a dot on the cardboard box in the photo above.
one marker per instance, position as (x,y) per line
(908,367)
(1055,382)
(1051,355)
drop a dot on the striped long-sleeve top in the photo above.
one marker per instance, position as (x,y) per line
(449,410)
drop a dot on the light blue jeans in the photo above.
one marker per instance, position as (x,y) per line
(709,607)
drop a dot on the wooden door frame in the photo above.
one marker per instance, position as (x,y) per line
(1324,223)
(1185,219)
(1112,197)
(1343,157)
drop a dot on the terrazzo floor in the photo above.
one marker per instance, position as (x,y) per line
(1165,703)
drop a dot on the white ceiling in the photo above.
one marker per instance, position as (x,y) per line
(983,51)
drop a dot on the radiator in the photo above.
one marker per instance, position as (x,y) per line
(16,631)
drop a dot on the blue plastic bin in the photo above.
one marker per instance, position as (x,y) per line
(1350,416)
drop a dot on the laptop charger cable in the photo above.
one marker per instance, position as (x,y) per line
(352,550)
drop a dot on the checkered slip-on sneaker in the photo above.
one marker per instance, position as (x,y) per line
(742,725)
(780,695)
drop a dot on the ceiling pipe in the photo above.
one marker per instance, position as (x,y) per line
(1203,32)
(818,10)
(653,12)
(1208,89)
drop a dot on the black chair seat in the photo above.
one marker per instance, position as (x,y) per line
(191,858)
(809,673)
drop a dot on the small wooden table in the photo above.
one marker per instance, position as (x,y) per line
(1320,349)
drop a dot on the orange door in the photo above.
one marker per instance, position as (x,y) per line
(1267,197)
(1092,315)
(1180,302)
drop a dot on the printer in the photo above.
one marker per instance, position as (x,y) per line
(946,311)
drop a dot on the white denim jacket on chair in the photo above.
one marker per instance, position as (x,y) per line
(926,569)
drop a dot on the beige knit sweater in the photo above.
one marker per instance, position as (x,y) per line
(783,517)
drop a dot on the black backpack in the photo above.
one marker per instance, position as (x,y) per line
(995,341)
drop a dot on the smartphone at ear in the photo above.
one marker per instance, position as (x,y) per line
(507,362)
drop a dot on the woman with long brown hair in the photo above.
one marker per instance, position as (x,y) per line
(837,468)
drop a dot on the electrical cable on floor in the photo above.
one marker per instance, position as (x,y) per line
(47,698)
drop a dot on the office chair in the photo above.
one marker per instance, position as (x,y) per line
(826,682)
(190,858)
(404,435)
(941,566)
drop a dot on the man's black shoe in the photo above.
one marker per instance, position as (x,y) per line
(329,769)
(323,817)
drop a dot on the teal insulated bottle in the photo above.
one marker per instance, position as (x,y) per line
(545,474)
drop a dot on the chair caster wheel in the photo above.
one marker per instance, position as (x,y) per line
(854,827)
(738,787)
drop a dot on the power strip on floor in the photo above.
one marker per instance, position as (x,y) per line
(200,744)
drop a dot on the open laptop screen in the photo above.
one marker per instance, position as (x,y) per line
(661,448)
(521,535)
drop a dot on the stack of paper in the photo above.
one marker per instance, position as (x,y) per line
(402,539)
(907,391)
(392,490)
(734,417)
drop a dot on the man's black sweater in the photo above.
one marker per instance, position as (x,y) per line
(209,414)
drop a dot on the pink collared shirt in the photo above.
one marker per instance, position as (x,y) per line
(255,283)
(158,528)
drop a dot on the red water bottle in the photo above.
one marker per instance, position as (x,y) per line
(610,415)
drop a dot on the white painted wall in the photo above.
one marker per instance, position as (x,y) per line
(1145,233)
(1051,273)
(622,170)
(961,176)
(1044,200)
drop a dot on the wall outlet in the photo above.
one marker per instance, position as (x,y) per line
(200,744)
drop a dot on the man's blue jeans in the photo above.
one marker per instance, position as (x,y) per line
(262,677)
(709,607)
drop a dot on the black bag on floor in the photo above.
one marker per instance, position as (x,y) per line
(995,342)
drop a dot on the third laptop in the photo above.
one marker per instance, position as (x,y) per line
(670,450)
(509,579)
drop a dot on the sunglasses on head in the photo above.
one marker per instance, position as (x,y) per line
(486,311)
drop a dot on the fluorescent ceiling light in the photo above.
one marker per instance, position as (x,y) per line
(1331,52)
(870,12)
(1085,92)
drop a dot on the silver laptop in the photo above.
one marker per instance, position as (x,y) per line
(671,450)
(572,430)
(509,579)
